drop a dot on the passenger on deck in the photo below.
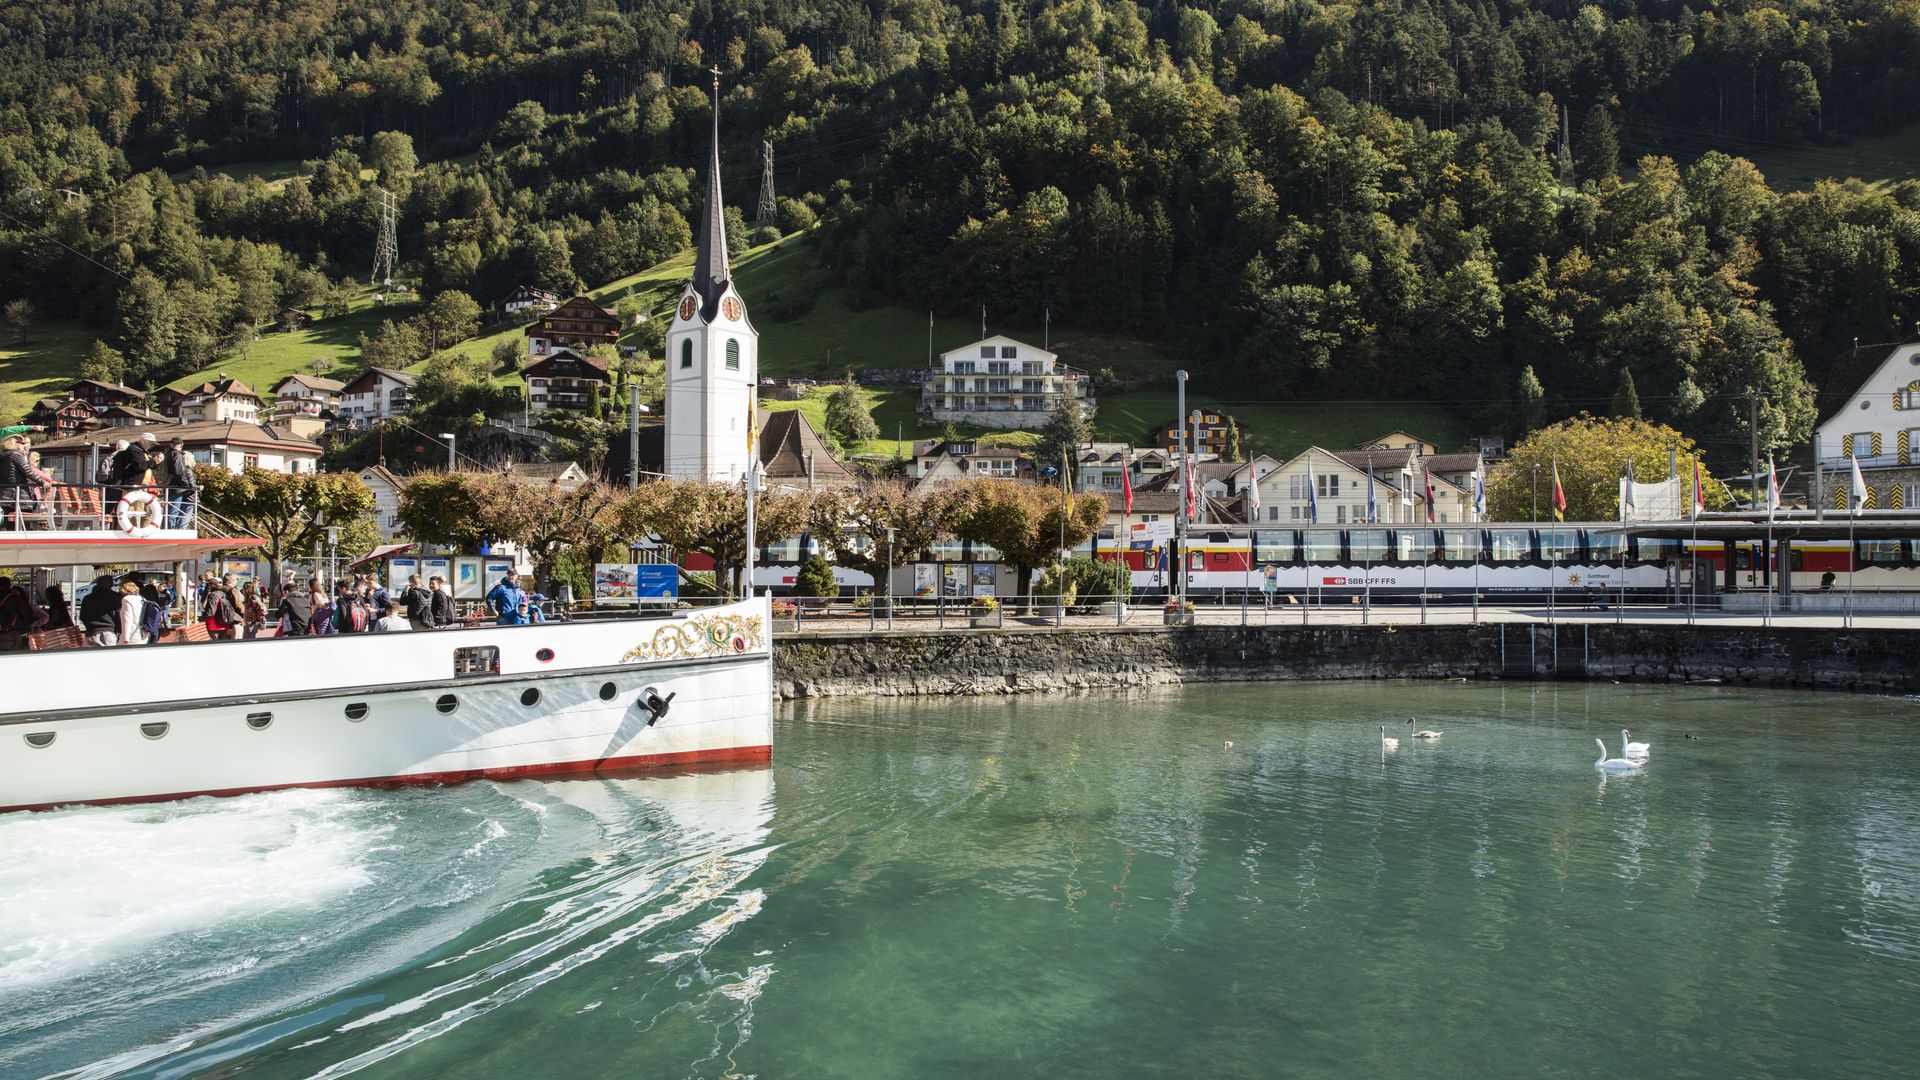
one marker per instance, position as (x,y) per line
(133,612)
(59,612)
(153,617)
(508,601)
(100,612)
(440,604)
(16,487)
(16,616)
(295,611)
(253,614)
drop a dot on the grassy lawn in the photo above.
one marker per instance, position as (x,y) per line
(1879,160)
(43,365)
(277,354)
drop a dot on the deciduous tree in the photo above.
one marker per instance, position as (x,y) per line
(1028,525)
(711,519)
(1592,455)
(291,511)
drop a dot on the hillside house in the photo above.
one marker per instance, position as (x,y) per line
(579,324)
(998,382)
(527,302)
(1215,434)
(938,462)
(386,488)
(222,399)
(104,395)
(57,417)
(375,394)
(565,379)
(307,395)
(1870,414)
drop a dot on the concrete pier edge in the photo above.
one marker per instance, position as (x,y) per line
(905,663)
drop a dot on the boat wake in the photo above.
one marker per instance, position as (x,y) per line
(332,930)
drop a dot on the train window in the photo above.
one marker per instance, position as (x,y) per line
(1323,545)
(1415,545)
(1882,552)
(1606,547)
(1646,549)
(1276,546)
(1460,545)
(1509,545)
(1367,545)
(1559,545)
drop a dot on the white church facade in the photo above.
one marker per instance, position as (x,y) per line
(713,356)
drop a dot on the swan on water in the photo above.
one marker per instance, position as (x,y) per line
(1637,751)
(1423,733)
(1607,764)
(1386,743)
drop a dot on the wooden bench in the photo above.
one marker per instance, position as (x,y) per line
(67,637)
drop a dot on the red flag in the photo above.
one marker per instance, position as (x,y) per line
(1559,495)
(1126,483)
(1426,474)
(1193,503)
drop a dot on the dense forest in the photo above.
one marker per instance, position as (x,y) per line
(1483,203)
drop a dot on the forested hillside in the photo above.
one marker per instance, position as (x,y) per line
(1376,200)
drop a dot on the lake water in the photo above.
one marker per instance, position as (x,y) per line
(1083,886)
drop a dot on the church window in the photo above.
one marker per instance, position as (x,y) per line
(733,354)
(686,353)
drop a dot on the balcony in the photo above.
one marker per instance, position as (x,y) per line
(93,508)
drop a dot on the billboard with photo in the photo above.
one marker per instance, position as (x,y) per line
(466,578)
(926,580)
(983,578)
(613,581)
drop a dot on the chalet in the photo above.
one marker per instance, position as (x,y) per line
(222,399)
(1400,440)
(131,416)
(1216,434)
(103,395)
(577,324)
(375,394)
(233,444)
(306,395)
(1097,467)
(564,379)
(1869,414)
(58,417)
(1388,486)
(529,302)
(166,401)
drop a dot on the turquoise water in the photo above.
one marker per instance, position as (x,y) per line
(1085,886)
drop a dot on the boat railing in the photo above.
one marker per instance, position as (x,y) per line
(60,507)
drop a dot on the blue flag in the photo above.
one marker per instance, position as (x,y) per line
(1479,496)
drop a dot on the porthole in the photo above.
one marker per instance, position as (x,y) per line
(155,730)
(545,656)
(608,691)
(357,711)
(447,703)
(259,721)
(530,696)
(39,740)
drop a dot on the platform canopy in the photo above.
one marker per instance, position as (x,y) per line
(94,549)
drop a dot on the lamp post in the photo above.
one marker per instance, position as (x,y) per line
(448,435)
(333,554)
(1534,515)
(889,577)
(1180,447)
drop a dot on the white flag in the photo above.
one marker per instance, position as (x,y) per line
(1773,487)
(1253,492)
(1859,492)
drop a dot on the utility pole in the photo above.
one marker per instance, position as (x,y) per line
(633,437)
(386,247)
(766,211)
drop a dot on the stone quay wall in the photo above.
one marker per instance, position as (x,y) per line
(1028,660)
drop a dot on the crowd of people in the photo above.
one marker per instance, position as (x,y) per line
(135,612)
(27,490)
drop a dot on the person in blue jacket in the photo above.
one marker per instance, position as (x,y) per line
(508,601)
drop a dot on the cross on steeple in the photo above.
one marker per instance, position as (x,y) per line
(715,70)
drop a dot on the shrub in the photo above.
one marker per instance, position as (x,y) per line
(1097,578)
(815,579)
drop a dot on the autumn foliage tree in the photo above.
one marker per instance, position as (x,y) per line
(1028,525)
(852,523)
(290,511)
(1592,455)
(541,519)
(690,516)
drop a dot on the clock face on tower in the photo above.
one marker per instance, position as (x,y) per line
(730,307)
(688,307)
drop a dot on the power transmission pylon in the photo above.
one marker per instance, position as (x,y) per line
(766,212)
(386,249)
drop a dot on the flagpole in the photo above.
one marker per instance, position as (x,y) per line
(1766,611)
(1306,549)
(1693,546)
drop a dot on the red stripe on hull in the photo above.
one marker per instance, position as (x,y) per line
(633,763)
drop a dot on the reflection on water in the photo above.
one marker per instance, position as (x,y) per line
(1226,881)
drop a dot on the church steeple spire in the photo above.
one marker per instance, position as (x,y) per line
(710,274)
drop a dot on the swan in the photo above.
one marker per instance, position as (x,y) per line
(1607,764)
(1386,743)
(1423,733)
(1636,751)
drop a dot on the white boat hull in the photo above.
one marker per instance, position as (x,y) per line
(382,709)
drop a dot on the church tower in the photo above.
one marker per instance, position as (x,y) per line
(713,354)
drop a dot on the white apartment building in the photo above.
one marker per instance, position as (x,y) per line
(998,382)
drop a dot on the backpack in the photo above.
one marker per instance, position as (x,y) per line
(354,619)
(153,619)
